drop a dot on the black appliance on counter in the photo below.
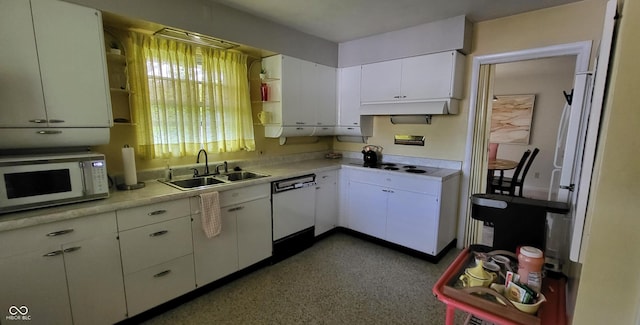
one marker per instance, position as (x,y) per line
(516,221)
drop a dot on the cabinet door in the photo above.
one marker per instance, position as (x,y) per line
(427,76)
(326,202)
(349,96)
(412,220)
(37,281)
(381,82)
(367,208)
(94,276)
(215,257)
(324,87)
(254,231)
(73,67)
(20,87)
(293,112)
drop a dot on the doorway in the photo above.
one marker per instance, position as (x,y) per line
(476,151)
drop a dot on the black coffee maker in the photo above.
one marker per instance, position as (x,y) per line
(370,155)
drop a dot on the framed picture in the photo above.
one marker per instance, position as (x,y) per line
(511,118)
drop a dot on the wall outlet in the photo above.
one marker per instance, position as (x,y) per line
(536,175)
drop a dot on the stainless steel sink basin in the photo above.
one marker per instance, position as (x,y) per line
(185,184)
(241,175)
(212,180)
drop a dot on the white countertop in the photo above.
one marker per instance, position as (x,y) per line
(155,191)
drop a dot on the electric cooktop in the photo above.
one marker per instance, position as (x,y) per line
(401,167)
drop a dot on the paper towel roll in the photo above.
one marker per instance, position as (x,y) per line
(129,162)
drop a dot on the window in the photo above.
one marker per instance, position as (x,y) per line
(186,98)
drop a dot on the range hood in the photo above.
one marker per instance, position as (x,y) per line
(434,107)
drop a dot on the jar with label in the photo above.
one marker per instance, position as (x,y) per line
(530,261)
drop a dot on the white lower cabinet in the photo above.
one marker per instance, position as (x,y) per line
(157,253)
(214,257)
(245,238)
(254,232)
(411,219)
(158,284)
(413,211)
(367,208)
(63,272)
(326,201)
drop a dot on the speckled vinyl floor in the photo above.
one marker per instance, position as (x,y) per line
(339,280)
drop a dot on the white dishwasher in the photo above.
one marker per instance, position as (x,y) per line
(293,204)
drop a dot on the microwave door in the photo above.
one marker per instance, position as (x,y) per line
(36,183)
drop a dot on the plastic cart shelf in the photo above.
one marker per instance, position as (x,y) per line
(551,312)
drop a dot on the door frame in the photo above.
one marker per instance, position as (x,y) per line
(582,51)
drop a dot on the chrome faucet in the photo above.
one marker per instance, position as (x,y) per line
(206,161)
(226,169)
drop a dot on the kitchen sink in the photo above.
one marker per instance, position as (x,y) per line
(211,180)
(241,175)
(185,184)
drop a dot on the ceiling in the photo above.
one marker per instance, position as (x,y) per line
(344,20)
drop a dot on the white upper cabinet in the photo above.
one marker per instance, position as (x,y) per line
(302,96)
(381,81)
(53,71)
(323,94)
(20,88)
(422,78)
(349,96)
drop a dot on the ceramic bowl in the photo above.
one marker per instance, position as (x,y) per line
(529,308)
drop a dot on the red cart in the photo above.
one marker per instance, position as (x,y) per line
(551,312)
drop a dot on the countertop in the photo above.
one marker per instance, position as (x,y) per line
(155,191)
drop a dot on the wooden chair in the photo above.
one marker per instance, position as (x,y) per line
(504,185)
(508,184)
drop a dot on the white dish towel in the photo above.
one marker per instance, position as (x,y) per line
(210,207)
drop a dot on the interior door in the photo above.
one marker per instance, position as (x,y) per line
(579,199)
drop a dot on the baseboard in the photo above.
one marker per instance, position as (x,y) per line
(409,251)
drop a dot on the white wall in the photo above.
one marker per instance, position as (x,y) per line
(545,78)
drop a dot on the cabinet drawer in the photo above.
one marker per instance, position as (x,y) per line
(418,184)
(327,177)
(55,234)
(154,244)
(152,213)
(239,195)
(158,284)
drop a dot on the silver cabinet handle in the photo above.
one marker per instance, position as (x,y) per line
(54,253)
(60,232)
(350,128)
(158,233)
(56,121)
(317,187)
(388,191)
(235,209)
(157,212)
(72,249)
(39,121)
(396,96)
(161,274)
(299,128)
(301,123)
(49,132)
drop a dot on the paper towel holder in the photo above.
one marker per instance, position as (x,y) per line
(124,186)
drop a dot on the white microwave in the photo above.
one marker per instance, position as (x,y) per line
(28,182)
